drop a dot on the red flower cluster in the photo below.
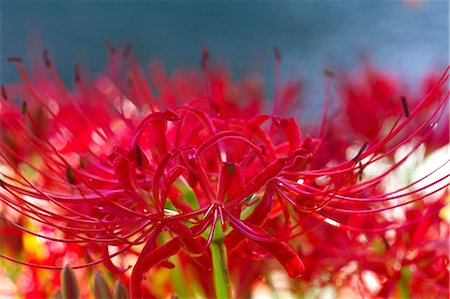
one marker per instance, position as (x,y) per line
(137,172)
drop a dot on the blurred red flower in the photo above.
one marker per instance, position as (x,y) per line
(134,171)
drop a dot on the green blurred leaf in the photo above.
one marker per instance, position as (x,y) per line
(120,291)
(101,289)
(403,283)
(379,245)
(70,289)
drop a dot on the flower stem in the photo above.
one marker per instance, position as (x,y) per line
(220,270)
(178,279)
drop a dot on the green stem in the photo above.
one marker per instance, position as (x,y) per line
(220,270)
(177,276)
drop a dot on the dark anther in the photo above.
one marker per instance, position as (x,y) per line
(404,106)
(138,153)
(4,95)
(127,50)
(82,162)
(24,107)
(77,73)
(69,175)
(277,53)
(361,150)
(14,59)
(329,73)
(386,244)
(2,184)
(360,174)
(110,47)
(46,59)
(205,57)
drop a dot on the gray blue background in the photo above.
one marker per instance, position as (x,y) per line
(312,35)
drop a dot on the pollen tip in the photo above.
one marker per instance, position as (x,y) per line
(360,174)
(138,155)
(4,94)
(404,106)
(205,57)
(82,162)
(277,53)
(329,73)
(127,50)
(24,107)
(110,47)
(46,58)
(69,175)
(386,243)
(77,73)
(14,59)
(2,184)
(361,150)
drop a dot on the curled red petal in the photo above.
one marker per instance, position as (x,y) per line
(287,257)
(148,258)
(109,264)
(194,246)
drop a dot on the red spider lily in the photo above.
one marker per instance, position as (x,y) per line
(114,165)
